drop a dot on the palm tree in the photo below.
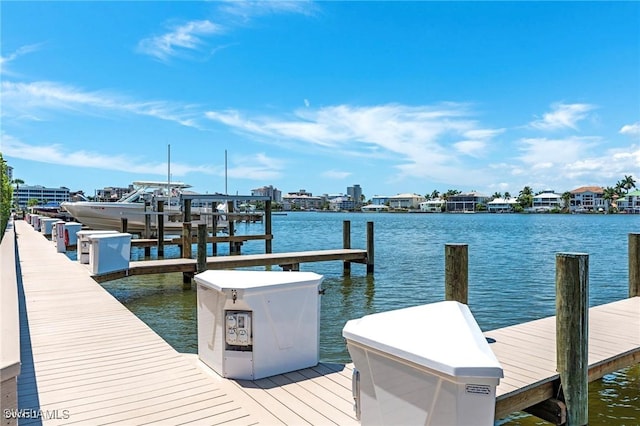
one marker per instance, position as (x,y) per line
(435,194)
(507,195)
(17,183)
(525,198)
(566,199)
(609,195)
(628,182)
(496,195)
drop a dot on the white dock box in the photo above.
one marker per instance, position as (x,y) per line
(427,364)
(109,252)
(71,230)
(255,324)
(84,245)
(46,225)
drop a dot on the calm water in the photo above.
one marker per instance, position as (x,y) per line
(511,278)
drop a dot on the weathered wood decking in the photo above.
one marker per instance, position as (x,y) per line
(83,352)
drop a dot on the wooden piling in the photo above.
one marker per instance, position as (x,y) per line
(634,264)
(456,272)
(572,333)
(267,227)
(186,240)
(202,248)
(124,225)
(346,244)
(147,228)
(160,225)
(370,248)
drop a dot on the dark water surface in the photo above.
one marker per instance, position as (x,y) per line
(511,278)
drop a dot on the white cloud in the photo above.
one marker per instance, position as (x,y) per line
(256,167)
(540,152)
(247,9)
(30,99)
(563,116)
(336,174)
(631,129)
(57,154)
(4,60)
(182,38)
(418,141)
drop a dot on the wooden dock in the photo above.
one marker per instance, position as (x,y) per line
(286,260)
(87,359)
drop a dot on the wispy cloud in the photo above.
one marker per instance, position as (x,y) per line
(179,40)
(563,116)
(4,60)
(59,155)
(631,129)
(418,140)
(30,99)
(247,9)
(336,174)
(190,37)
(256,167)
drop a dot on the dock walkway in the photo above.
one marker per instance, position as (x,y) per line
(85,356)
(86,359)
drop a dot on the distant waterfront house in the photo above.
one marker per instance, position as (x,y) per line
(501,205)
(630,203)
(588,198)
(465,202)
(432,206)
(379,200)
(375,208)
(302,200)
(546,201)
(405,201)
(341,203)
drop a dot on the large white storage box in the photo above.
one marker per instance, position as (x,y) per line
(109,252)
(255,324)
(428,364)
(71,230)
(84,245)
(46,225)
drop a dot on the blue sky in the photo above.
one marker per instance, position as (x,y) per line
(394,96)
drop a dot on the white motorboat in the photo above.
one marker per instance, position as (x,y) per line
(135,205)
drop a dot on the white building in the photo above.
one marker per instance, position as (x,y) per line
(341,204)
(432,206)
(546,201)
(501,205)
(268,191)
(588,198)
(406,201)
(380,200)
(630,203)
(24,193)
(302,200)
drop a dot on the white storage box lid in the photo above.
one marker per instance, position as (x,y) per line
(263,280)
(94,237)
(441,336)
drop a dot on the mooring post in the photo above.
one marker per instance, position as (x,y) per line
(147,228)
(634,264)
(233,247)
(160,224)
(186,231)
(346,244)
(370,248)
(202,248)
(572,333)
(456,272)
(268,248)
(124,225)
